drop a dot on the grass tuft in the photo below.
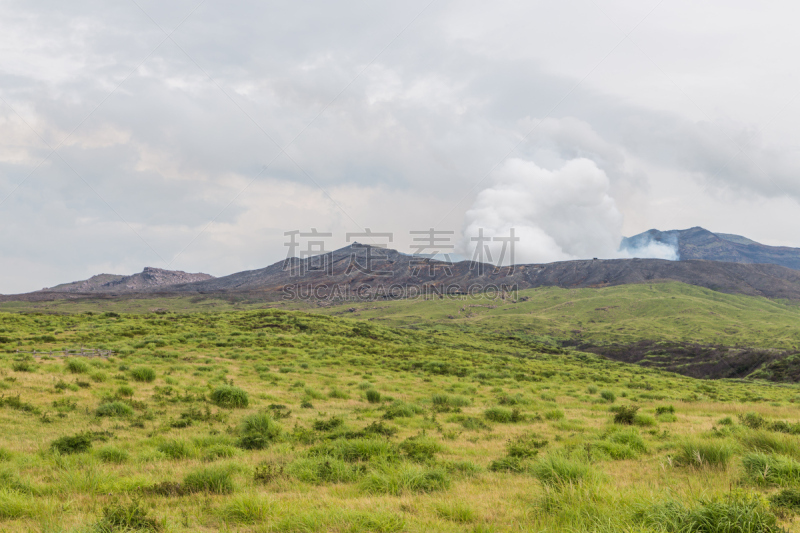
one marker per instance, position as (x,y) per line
(404,478)
(120,409)
(127,517)
(738,513)
(144,374)
(79,443)
(704,454)
(257,431)
(771,469)
(558,470)
(76,366)
(246,509)
(215,480)
(229,397)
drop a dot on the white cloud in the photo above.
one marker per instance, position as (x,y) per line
(403,145)
(558,215)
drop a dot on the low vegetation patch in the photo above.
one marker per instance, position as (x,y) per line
(483,422)
(704,454)
(771,469)
(115,408)
(257,431)
(229,397)
(67,444)
(404,478)
(214,480)
(133,516)
(558,470)
(737,513)
(144,374)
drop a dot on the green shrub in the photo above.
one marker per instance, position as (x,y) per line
(525,446)
(112,454)
(738,513)
(608,396)
(314,395)
(614,450)
(215,480)
(558,470)
(229,397)
(268,471)
(400,410)
(503,416)
(76,366)
(756,421)
(257,431)
(643,420)
(554,414)
(353,450)
(379,428)
(79,443)
(127,517)
(704,454)
(768,442)
(279,411)
(771,469)
(753,420)
(318,470)
(249,509)
(787,498)
(328,424)
(446,402)
(218,451)
(23,366)
(114,409)
(373,396)
(591,389)
(471,423)
(420,448)
(665,409)
(338,394)
(507,464)
(144,374)
(176,449)
(404,478)
(626,414)
(629,438)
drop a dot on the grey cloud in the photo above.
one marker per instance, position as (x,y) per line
(426,121)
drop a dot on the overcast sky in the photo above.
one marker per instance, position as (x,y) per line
(192,135)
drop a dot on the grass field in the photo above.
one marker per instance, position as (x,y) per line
(656,311)
(273,420)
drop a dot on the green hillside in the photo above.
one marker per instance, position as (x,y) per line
(628,313)
(281,421)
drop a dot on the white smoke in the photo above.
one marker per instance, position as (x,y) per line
(557,214)
(652,249)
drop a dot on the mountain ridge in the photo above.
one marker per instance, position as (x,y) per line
(148,278)
(288,278)
(700,243)
(723,262)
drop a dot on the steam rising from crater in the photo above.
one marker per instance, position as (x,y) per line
(558,215)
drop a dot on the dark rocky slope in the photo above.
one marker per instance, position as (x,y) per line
(699,243)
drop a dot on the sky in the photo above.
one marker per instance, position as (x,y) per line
(194,135)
